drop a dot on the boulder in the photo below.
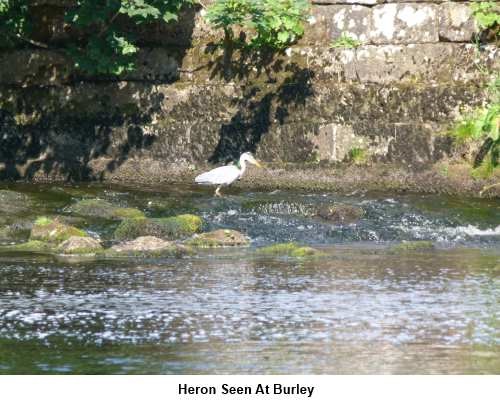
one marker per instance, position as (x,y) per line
(79,245)
(340,213)
(289,249)
(98,208)
(147,246)
(170,228)
(219,238)
(51,230)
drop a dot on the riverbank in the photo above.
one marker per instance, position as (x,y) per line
(450,178)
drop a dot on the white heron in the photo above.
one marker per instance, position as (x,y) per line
(225,175)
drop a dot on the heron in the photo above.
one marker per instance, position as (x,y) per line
(225,175)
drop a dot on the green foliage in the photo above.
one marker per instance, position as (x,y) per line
(345,42)
(486,14)
(357,156)
(273,24)
(483,124)
(14,24)
(111,50)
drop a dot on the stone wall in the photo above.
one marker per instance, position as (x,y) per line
(394,96)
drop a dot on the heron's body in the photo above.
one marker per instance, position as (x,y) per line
(225,175)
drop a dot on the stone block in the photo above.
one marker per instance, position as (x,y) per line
(404,23)
(353,21)
(34,67)
(456,23)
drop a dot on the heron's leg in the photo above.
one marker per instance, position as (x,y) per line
(217,192)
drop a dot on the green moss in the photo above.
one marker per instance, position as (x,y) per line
(35,246)
(170,227)
(123,213)
(42,221)
(104,209)
(358,156)
(53,231)
(219,238)
(84,251)
(289,249)
(416,246)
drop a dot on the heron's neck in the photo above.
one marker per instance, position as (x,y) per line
(243,166)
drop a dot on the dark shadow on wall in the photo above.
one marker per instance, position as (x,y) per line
(61,129)
(272,85)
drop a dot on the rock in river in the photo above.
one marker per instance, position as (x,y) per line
(79,245)
(289,249)
(53,231)
(219,238)
(98,208)
(171,228)
(147,245)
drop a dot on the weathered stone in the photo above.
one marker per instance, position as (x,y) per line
(404,23)
(334,141)
(148,245)
(456,22)
(341,213)
(353,21)
(391,63)
(103,209)
(34,68)
(80,245)
(219,238)
(53,231)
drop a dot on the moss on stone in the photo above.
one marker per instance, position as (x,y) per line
(104,209)
(170,227)
(52,231)
(77,245)
(32,246)
(219,238)
(289,249)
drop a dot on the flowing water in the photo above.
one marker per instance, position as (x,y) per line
(362,307)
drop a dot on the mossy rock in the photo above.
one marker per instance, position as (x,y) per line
(341,213)
(98,208)
(219,238)
(289,249)
(51,230)
(416,246)
(147,246)
(79,245)
(171,228)
(17,230)
(12,202)
(32,246)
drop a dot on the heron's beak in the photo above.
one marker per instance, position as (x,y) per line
(256,163)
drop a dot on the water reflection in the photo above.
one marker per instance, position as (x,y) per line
(353,310)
